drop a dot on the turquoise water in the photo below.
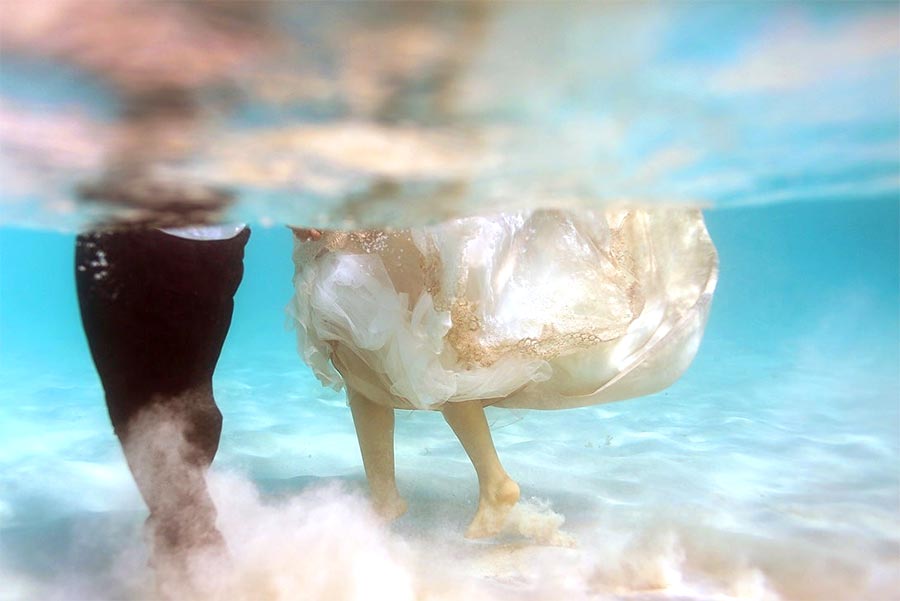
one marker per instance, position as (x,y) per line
(771,470)
(768,471)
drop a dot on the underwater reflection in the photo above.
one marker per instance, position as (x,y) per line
(360,114)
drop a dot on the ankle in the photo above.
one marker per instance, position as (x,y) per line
(384,490)
(499,485)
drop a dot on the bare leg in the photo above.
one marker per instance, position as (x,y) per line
(497,492)
(375,431)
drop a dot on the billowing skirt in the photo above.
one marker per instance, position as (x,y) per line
(539,310)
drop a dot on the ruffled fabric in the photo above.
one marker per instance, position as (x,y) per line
(545,309)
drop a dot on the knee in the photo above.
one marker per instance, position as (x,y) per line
(189,424)
(202,430)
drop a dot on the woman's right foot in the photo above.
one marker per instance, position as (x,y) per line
(494,505)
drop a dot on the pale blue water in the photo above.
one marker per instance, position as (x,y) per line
(770,470)
(775,456)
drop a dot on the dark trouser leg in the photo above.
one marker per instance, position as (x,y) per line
(156,310)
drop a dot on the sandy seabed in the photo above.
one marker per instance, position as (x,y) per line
(705,491)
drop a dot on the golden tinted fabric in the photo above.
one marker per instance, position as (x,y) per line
(538,309)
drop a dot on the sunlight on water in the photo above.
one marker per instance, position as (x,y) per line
(353,113)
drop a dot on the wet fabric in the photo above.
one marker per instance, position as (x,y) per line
(538,309)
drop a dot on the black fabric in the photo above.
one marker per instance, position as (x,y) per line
(156,309)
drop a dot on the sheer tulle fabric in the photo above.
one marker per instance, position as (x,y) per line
(541,310)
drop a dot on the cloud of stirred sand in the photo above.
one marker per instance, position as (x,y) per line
(326,543)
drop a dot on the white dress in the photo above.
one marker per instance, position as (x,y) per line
(540,309)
